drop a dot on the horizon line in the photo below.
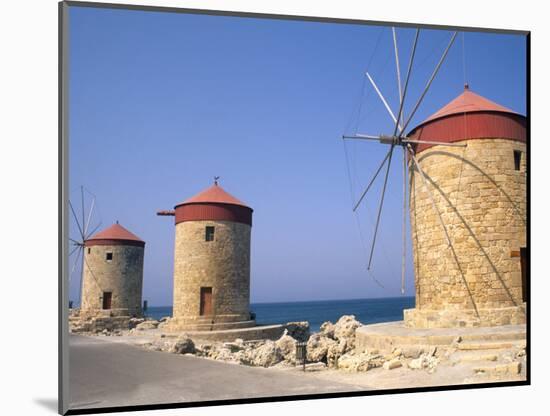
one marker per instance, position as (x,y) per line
(311,300)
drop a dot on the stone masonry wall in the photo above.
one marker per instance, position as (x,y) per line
(123,276)
(482,200)
(222,264)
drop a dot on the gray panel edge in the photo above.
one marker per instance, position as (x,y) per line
(63,233)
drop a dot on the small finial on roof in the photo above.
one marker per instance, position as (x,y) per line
(466,86)
(216,180)
(117,221)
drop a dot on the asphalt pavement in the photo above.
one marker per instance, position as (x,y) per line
(107,374)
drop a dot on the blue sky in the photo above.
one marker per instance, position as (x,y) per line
(161,102)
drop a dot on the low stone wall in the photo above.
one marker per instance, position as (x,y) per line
(429,318)
(100,324)
(182,324)
(96,322)
(271,332)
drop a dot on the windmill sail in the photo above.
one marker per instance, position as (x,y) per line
(82,221)
(397,138)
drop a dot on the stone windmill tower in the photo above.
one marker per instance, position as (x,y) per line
(466,169)
(211,262)
(479,277)
(112,277)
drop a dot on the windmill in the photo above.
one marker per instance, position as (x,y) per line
(84,224)
(398,138)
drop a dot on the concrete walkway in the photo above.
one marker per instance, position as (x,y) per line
(106,374)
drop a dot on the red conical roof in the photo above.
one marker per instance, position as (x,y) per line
(115,234)
(469,116)
(468,102)
(213,204)
(214,194)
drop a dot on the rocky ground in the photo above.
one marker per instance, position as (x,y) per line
(331,354)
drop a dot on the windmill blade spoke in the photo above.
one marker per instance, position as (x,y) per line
(362,137)
(76,220)
(93,231)
(78,243)
(82,207)
(428,190)
(73,250)
(380,207)
(436,70)
(432,142)
(397,67)
(400,114)
(382,98)
(85,263)
(372,180)
(368,136)
(89,216)
(74,264)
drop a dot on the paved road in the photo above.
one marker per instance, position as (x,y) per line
(105,374)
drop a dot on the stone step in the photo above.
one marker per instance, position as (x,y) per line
(497,336)
(390,335)
(472,358)
(509,369)
(490,345)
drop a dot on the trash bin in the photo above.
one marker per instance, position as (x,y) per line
(301,354)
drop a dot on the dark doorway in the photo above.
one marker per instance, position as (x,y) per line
(524,272)
(206,301)
(107,296)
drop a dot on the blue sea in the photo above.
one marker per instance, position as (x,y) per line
(366,311)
